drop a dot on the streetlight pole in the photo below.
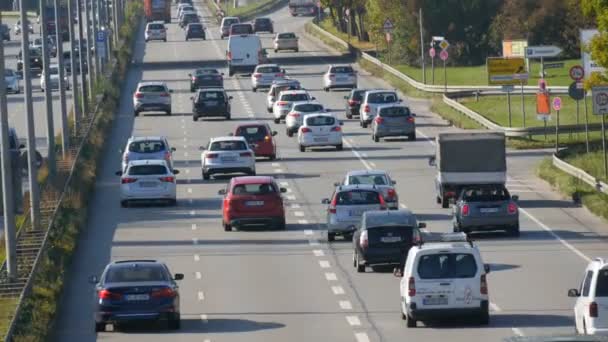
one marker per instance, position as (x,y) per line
(422,46)
(65,134)
(83,54)
(73,66)
(48,91)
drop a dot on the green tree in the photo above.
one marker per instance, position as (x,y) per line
(597,10)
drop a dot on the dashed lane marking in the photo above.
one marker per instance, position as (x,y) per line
(353,321)
(192,213)
(303,222)
(201,295)
(279,171)
(314,243)
(308,232)
(345,305)
(337,290)
(330,276)
(291,197)
(204,319)
(299,214)
(284,184)
(517,332)
(295,206)
(187,170)
(276,165)
(361,337)
(198,275)
(189,189)
(197,257)
(318,252)
(324,264)
(194,226)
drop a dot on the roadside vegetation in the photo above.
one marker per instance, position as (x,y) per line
(248,11)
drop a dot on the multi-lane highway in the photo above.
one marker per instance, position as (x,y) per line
(292,285)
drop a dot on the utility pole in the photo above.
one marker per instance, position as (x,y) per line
(83,55)
(422,46)
(7,177)
(90,44)
(116,24)
(93,42)
(73,66)
(65,134)
(48,91)
(29,114)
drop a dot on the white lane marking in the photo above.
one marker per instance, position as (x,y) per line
(318,252)
(204,319)
(185,146)
(295,206)
(198,275)
(372,164)
(299,213)
(314,243)
(356,153)
(187,170)
(201,295)
(308,232)
(191,200)
(192,212)
(494,307)
(185,154)
(426,137)
(517,332)
(197,257)
(194,226)
(278,170)
(364,154)
(291,197)
(195,241)
(403,205)
(284,184)
(276,165)
(189,189)
(288,190)
(337,290)
(353,321)
(330,276)
(345,305)
(324,264)
(361,337)
(303,222)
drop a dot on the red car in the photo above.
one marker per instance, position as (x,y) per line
(260,137)
(252,201)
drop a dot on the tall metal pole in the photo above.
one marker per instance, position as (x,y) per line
(29,114)
(422,46)
(84,67)
(7,177)
(523,104)
(65,134)
(89,46)
(48,91)
(586,122)
(116,22)
(557,132)
(74,66)
(509,107)
(93,42)
(604,146)
(578,113)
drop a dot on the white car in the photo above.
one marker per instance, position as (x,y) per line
(184,8)
(286,41)
(298,111)
(277,87)
(155,31)
(225,155)
(444,278)
(339,76)
(372,99)
(591,307)
(244,53)
(152,96)
(265,75)
(12,81)
(320,130)
(147,180)
(283,102)
(54,79)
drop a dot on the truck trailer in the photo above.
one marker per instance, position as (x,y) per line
(158,10)
(303,7)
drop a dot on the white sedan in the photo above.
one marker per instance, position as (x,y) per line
(320,130)
(54,79)
(225,155)
(147,180)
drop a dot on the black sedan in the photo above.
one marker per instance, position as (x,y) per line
(206,78)
(195,30)
(211,102)
(35,59)
(137,290)
(353,102)
(263,25)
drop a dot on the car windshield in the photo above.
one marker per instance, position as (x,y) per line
(54,70)
(206,72)
(191,16)
(8,73)
(357,197)
(382,97)
(147,146)
(485,193)
(388,220)
(156,26)
(228,146)
(601,288)
(377,179)
(210,95)
(135,273)
(252,133)
(262,21)
(147,170)
(35,52)
(269,69)
(228,22)
(308,108)
(37,41)
(152,89)
(286,35)
(254,189)
(294,97)
(324,120)
(394,112)
(447,265)
(341,70)
(195,27)
(241,28)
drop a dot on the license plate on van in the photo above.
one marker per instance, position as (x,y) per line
(355,212)
(435,301)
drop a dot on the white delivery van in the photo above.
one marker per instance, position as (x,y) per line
(244,53)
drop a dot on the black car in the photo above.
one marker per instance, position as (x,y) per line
(195,30)
(189,18)
(353,102)
(211,102)
(384,238)
(142,290)
(206,78)
(5,32)
(35,59)
(263,25)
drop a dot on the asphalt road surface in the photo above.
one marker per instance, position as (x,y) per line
(292,285)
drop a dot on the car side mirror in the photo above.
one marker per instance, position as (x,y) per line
(573,293)
(432,161)
(397,272)
(345,97)
(400,100)
(515,198)
(93,280)
(313,98)
(202,148)
(413,114)
(221,192)
(283,190)
(283,71)
(173,149)
(222,74)
(325,201)
(190,75)
(118,173)
(21,146)
(421,225)
(178,276)
(192,98)
(393,182)
(274,133)
(341,123)
(336,184)
(171,90)
(229,97)
(175,172)
(486,267)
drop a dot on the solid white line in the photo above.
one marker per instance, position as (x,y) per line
(331,276)
(403,205)
(308,232)
(303,222)
(337,290)
(372,164)
(185,154)
(299,213)
(361,337)
(196,257)
(278,170)
(187,170)
(284,184)
(295,206)
(198,275)
(364,155)
(494,307)
(346,305)
(201,295)
(194,226)
(324,264)
(432,142)
(353,320)
(517,332)
(356,153)
(318,252)
(204,319)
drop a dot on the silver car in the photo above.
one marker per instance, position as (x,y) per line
(152,96)
(286,41)
(224,155)
(147,180)
(295,117)
(378,178)
(347,205)
(394,121)
(372,99)
(147,148)
(277,87)
(54,79)
(155,31)
(340,76)
(284,100)
(11,78)
(265,74)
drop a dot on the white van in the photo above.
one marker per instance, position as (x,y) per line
(444,278)
(244,53)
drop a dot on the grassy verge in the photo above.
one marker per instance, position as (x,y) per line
(328,26)
(311,29)
(249,11)
(39,308)
(592,162)
(595,201)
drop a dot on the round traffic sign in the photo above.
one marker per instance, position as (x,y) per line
(443,55)
(575,92)
(577,73)
(432,52)
(557,103)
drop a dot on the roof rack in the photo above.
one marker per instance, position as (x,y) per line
(430,237)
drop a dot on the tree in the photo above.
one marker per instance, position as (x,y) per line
(598,47)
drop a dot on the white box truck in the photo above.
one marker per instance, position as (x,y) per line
(244,53)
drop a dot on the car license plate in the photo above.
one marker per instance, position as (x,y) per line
(390,239)
(488,210)
(355,212)
(435,301)
(137,297)
(394,130)
(228,159)
(147,184)
(320,139)
(254,203)
(211,103)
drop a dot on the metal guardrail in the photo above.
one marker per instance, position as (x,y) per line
(329,35)
(580,174)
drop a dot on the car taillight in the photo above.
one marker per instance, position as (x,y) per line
(593,312)
(353,102)
(139,95)
(295,115)
(219,78)
(336,129)
(449,194)
(245,154)
(363,239)
(391,193)
(164,293)
(148,31)
(411,287)
(332,76)
(279,75)
(366,109)
(332,205)
(382,202)
(106,294)
(465,210)
(410,119)
(211,156)
(193,78)
(267,138)
(512,208)
(127,180)
(164,94)
(257,75)
(305,130)
(229,55)
(483,285)
(168,179)
(379,120)
(282,103)
(125,158)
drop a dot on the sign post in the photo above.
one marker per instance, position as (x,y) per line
(388,29)
(433,53)
(557,106)
(600,107)
(543,106)
(444,57)
(542,52)
(576,92)
(508,89)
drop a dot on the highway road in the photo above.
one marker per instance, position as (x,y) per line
(292,285)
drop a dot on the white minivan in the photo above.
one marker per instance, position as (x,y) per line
(244,53)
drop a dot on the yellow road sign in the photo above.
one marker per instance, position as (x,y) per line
(506,71)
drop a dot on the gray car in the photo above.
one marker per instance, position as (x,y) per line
(394,120)
(485,208)
(378,178)
(146,148)
(346,207)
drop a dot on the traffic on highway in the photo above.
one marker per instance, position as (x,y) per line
(258,185)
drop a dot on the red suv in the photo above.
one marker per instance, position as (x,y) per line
(252,201)
(259,136)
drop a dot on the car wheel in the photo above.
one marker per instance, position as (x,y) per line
(411,323)
(375,137)
(355,259)
(445,203)
(186,39)
(331,236)
(194,118)
(412,137)
(206,175)
(168,112)
(514,230)
(363,124)
(289,133)
(276,121)
(456,227)
(272,157)
(349,116)
(124,204)
(136,113)
(228,117)
(192,89)
(360,267)
(326,89)
(297,50)
(484,318)
(281,225)
(276,50)
(254,89)
(100,327)
(174,323)
(269,110)
(227,228)
(302,148)
(339,147)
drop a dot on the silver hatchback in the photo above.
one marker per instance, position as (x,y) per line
(393,121)
(147,148)
(152,96)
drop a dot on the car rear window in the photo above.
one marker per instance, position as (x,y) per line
(54,70)
(156,26)
(262,21)
(320,121)
(382,98)
(357,197)
(127,274)
(241,28)
(254,189)
(294,97)
(390,234)
(228,22)
(485,193)
(308,108)
(281,88)
(601,288)
(147,146)
(268,69)
(357,95)
(147,170)
(211,95)
(252,133)
(368,179)
(341,70)
(8,73)
(286,35)
(447,265)
(394,112)
(195,27)
(381,220)
(228,146)
(152,89)
(206,72)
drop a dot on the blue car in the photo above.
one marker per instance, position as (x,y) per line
(137,290)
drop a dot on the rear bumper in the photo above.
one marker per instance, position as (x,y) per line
(221,170)
(330,142)
(347,227)
(162,313)
(353,110)
(396,132)
(149,107)
(345,84)
(242,68)
(489,223)
(195,35)
(380,258)
(270,222)
(211,112)
(430,314)
(167,194)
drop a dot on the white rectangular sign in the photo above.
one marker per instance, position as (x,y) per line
(542,51)
(589,65)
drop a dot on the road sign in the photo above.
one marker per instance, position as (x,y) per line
(600,100)
(575,92)
(443,55)
(101,36)
(505,71)
(589,65)
(543,106)
(557,65)
(577,73)
(388,25)
(557,103)
(432,52)
(542,51)
(444,44)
